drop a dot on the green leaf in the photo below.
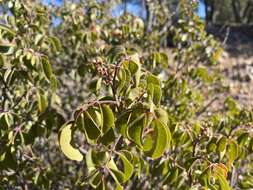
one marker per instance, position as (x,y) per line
(122,79)
(160,139)
(108,137)
(107,118)
(65,144)
(154,89)
(135,129)
(223,182)
(100,158)
(53,83)
(7,48)
(7,29)
(1,61)
(116,174)
(5,120)
(152,79)
(222,143)
(91,128)
(46,68)
(89,161)
(211,146)
(162,115)
(205,177)
(148,143)
(128,167)
(42,102)
(55,42)
(133,67)
(171,177)
(232,150)
(95,180)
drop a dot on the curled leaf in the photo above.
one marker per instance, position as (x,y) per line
(65,144)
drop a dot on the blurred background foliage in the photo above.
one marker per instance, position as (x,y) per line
(71,70)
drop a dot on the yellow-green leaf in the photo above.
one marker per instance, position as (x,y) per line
(135,129)
(160,139)
(46,68)
(232,150)
(42,102)
(65,144)
(128,167)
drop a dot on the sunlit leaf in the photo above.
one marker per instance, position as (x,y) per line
(65,139)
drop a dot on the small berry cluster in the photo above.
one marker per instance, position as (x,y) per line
(104,72)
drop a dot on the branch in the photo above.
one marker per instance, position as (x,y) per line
(206,106)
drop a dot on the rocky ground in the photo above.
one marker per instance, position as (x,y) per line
(237,60)
(237,66)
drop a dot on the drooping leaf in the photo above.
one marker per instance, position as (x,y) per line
(211,146)
(95,179)
(53,83)
(205,177)
(221,145)
(162,115)
(135,129)
(128,167)
(224,185)
(65,139)
(122,79)
(7,29)
(116,174)
(232,150)
(89,161)
(46,68)
(42,102)
(160,139)
(7,48)
(108,137)
(171,177)
(100,157)
(107,117)
(55,42)
(91,128)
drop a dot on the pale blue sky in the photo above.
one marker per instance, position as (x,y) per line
(133,8)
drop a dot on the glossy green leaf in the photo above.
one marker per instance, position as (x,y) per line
(212,145)
(122,80)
